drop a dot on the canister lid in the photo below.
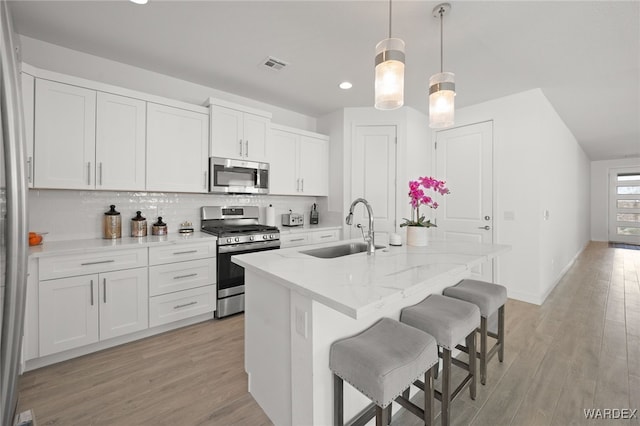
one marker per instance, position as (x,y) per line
(159,222)
(138,217)
(112,211)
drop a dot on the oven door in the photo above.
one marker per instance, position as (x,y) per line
(230,275)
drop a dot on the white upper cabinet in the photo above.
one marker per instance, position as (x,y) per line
(28,98)
(177,149)
(64,148)
(238,132)
(299,162)
(120,143)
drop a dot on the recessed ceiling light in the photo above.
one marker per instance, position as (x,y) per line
(139,1)
(346,85)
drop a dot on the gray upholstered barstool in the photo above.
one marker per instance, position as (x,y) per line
(382,362)
(450,321)
(490,298)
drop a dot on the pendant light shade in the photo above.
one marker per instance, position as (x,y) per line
(442,91)
(389,83)
(442,86)
(389,86)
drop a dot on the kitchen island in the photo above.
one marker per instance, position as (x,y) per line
(297,305)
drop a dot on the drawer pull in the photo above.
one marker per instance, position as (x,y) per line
(97,263)
(296,239)
(326,236)
(184,305)
(179,277)
(185,252)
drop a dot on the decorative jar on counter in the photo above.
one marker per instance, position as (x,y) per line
(138,226)
(159,228)
(112,224)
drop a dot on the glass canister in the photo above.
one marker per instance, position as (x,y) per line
(112,223)
(138,226)
(159,228)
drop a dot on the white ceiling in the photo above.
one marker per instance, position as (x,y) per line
(584,55)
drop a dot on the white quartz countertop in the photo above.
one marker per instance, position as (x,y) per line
(55,248)
(358,284)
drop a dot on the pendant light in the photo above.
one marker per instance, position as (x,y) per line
(389,82)
(442,86)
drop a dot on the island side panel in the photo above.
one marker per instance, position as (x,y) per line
(267,346)
(301,359)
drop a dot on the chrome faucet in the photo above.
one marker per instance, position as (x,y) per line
(369,239)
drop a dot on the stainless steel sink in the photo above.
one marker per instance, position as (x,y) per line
(338,251)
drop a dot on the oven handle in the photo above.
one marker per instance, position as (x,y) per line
(248,247)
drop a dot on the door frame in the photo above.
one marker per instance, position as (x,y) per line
(611,197)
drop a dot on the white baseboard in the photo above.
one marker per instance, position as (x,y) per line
(561,274)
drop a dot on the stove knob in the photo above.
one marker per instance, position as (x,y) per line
(251,238)
(271,237)
(228,240)
(237,239)
(264,237)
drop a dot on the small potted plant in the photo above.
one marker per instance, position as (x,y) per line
(418,225)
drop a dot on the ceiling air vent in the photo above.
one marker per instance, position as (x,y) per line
(274,64)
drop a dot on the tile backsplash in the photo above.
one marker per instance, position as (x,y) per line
(69,215)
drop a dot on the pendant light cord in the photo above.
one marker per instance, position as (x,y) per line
(441,42)
(389,18)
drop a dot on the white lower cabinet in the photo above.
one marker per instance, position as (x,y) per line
(311,237)
(77,311)
(181,282)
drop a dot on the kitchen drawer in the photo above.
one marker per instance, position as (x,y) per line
(180,252)
(178,276)
(91,263)
(293,240)
(323,236)
(172,307)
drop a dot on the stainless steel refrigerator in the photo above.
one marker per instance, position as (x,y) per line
(13,221)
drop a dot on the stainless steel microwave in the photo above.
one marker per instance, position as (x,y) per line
(230,176)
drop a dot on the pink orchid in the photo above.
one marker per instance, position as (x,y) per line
(418,197)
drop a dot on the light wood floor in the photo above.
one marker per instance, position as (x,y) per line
(580,349)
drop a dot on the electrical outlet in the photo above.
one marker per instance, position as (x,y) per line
(301,323)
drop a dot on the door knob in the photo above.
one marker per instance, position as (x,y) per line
(486,228)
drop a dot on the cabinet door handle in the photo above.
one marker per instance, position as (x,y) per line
(89,173)
(30,169)
(179,277)
(246,148)
(97,263)
(100,166)
(184,305)
(185,252)
(297,185)
(296,239)
(302,185)
(91,292)
(104,290)
(240,147)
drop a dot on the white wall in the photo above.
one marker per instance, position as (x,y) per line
(538,166)
(68,215)
(63,60)
(600,194)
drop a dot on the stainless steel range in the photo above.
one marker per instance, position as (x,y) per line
(238,231)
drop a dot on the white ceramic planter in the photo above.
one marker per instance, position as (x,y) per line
(417,236)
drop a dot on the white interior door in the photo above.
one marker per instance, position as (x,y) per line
(373,177)
(624,205)
(464,159)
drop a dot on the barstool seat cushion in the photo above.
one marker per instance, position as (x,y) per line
(383,361)
(447,319)
(487,296)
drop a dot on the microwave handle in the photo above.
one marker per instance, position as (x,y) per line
(205,180)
